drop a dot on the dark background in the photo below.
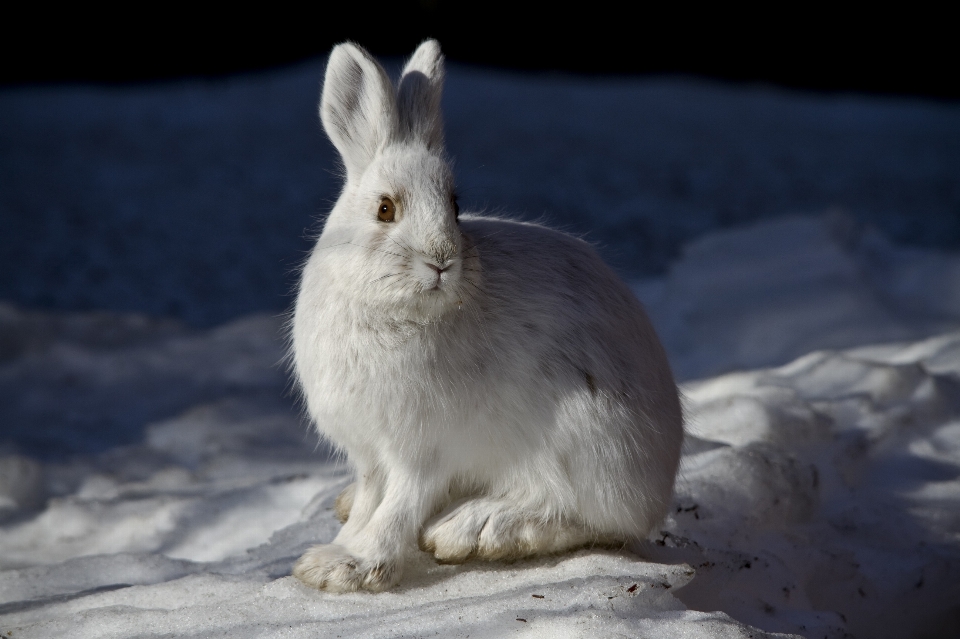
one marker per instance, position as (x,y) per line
(897,51)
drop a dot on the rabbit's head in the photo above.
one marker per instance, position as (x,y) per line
(397,215)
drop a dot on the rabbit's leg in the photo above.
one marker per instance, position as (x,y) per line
(357,502)
(344,502)
(492,529)
(369,551)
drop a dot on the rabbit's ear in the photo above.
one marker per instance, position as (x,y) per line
(358,107)
(418,95)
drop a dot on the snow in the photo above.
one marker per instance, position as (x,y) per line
(192,199)
(818,498)
(767,293)
(156,478)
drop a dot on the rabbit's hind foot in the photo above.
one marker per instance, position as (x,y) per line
(494,529)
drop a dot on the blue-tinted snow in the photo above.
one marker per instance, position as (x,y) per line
(193,199)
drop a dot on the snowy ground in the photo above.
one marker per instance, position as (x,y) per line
(156,479)
(819,498)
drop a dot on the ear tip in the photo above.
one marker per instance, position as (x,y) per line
(347,51)
(430,46)
(348,62)
(427,59)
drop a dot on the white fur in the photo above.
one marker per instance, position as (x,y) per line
(516,403)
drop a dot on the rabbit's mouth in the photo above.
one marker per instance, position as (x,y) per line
(440,285)
(437,275)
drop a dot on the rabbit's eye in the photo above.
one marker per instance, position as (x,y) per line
(387,210)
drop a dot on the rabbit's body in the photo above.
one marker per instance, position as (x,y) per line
(499,391)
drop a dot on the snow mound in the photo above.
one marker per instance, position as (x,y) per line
(831,483)
(83,382)
(767,293)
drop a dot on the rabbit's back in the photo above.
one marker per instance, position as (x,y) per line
(550,297)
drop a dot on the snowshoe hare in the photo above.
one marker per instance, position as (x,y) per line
(498,390)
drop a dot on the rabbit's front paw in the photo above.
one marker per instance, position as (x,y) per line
(331,567)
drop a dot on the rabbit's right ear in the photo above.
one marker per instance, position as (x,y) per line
(418,96)
(358,107)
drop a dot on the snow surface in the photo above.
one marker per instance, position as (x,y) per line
(818,498)
(156,478)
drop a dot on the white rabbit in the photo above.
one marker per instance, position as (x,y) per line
(499,392)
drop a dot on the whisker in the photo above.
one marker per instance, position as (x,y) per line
(369,248)
(395,241)
(332,245)
(383,277)
(473,285)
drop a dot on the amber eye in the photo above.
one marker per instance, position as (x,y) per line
(387,210)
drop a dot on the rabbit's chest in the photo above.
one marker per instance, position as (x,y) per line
(364,366)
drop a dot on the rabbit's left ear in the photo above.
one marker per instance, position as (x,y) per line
(357,106)
(418,96)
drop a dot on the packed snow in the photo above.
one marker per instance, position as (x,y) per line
(157,478)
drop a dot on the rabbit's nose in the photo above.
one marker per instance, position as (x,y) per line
(438,269)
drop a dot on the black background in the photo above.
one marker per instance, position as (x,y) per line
(893,51)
